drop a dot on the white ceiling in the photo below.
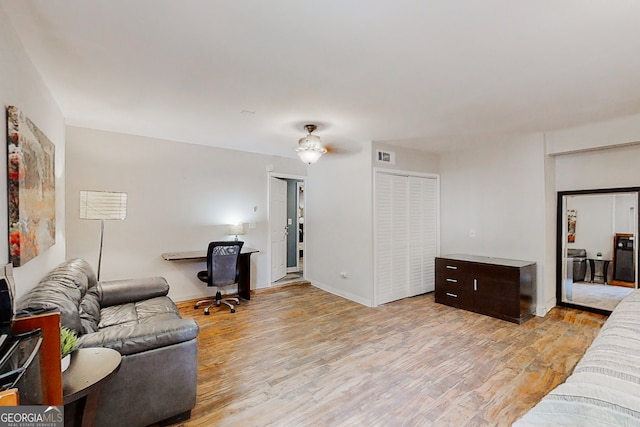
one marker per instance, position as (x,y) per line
(248,74)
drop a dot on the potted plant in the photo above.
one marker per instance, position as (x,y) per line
(68,343)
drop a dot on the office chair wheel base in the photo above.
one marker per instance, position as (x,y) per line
(206,312)
(233,310)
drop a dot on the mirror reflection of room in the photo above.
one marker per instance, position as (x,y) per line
(599,248)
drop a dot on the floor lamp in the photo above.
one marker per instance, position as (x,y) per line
(102,205)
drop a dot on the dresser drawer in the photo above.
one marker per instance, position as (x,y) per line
(452,267)
(454,283)
(452,272)
(453,295)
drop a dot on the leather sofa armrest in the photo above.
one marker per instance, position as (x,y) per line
(142,337)
(115,292)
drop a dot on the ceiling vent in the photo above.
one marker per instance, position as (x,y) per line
(388,157)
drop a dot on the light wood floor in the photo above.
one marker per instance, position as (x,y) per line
(298,356)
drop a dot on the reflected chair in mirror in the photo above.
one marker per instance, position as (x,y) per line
(579,263)
(222,271)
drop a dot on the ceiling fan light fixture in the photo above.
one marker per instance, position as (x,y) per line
(309,156)
(310,148)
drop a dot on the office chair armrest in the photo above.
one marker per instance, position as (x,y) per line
(143,336)
(116,292)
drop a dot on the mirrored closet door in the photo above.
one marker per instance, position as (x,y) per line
(597,254)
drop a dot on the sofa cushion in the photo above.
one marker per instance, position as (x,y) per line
(137,338)
(90,311)
(147,311)
(51,298)
(115,292)
(61,290)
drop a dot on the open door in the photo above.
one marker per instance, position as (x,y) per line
(278,220)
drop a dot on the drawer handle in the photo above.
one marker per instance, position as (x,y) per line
(452,267)
(452,295)
(452,280)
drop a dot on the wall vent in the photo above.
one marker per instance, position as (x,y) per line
(386,157)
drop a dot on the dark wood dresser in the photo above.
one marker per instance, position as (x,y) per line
(500,288)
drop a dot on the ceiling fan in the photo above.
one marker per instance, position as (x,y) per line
(310,148)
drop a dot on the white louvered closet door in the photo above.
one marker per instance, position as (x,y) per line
(406,235)
(423,236)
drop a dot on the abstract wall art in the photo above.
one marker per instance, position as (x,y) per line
(571,225)
(30,188)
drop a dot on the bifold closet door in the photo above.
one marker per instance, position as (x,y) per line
(406,235)
(392,234)
(423,235)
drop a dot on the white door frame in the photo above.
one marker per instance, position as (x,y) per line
(299,185)
(284,176)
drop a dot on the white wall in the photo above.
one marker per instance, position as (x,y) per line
(607,168)
(605,134)
(180,197)
(406,159)
(548,284)
(22,86)
(595,223)
(339,225)
(625,214)
(499,193)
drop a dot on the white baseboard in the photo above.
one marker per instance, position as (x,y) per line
(341,293)
(542,311)
(205,294)
(324,287)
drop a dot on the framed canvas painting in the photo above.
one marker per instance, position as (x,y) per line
(30,188)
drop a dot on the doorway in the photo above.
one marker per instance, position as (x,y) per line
(286,229)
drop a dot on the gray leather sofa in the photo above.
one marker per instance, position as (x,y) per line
(157,377)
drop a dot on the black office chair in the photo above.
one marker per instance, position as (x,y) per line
(222,270)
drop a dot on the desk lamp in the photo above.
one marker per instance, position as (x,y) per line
(102,205)
(236,229)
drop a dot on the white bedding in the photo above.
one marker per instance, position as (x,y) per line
(604,388)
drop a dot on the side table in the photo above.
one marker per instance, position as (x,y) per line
(89,370)
(605,269)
